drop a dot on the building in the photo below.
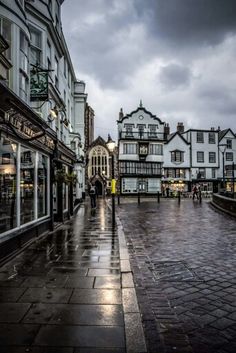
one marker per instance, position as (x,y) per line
(177,168)
(89,126)
(141,137)
(204,157)
(42,122)
(99,166)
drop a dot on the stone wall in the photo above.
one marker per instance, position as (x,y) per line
(225,204)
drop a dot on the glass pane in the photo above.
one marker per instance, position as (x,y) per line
(42,185)
(7,184)
(27,171)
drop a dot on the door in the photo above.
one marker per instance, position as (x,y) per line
(142,185)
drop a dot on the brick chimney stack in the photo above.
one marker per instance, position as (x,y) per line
(180,128)
(121,114)
(166,130)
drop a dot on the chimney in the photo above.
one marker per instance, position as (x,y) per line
(121,114)
(218,128)
(180,128)
(212,129)
(166,130)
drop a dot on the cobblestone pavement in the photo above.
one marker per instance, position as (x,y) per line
(183,258)
(63,294)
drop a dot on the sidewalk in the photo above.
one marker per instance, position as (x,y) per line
(71,292)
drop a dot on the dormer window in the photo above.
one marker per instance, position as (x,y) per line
(153,130)
(177,156)
(141,128)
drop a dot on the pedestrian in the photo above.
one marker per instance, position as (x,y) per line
(195,192)
(167,191)
(93,196)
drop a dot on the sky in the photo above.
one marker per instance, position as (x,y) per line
(177,56)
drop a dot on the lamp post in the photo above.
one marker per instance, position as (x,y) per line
(223,161)
(111,146)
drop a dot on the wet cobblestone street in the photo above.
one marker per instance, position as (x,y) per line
(183,258)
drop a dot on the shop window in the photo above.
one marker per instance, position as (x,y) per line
(8,155)
(42,185)
(27,186)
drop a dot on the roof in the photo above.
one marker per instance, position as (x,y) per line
(142,109)
(171,136)
(99,141)
(222,133)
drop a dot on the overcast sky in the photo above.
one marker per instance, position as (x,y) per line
(178,56)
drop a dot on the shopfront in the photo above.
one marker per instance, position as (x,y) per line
(27,149)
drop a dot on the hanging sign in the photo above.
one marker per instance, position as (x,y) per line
(38,85)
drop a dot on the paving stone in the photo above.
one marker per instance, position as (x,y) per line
(127,280)
(102,272)
(130,300)
(46,295)
(9,294)
(112,282)
(96,296)
(12,312)
(79,282)
(107,337)
(17,334)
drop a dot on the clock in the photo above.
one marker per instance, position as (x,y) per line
(141,117)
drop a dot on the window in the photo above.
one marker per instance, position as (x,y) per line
(129,130)
(229,143)
(24,83)
(211,137)
(56,72)
(42,185)
(212,157)
(49,55)
(152,130)
(175,173)
(6,157)
(229,156)
(35,46)
(213,173)
(5,31)
(200,157)
(141,130)
(65,67)
(201,173)
(24,45)
(156,149)
(130,148)
(200,137)
(177,156)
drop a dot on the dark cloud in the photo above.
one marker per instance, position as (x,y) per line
(175,76)
(189,22)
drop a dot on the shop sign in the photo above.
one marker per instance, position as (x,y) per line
(26,129)
(66,159)
(38,85)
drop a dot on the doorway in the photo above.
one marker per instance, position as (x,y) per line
(99,187)
(142,185)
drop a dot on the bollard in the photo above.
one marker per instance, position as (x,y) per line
(200,196)
(138,198)
(158,197)
(179,196)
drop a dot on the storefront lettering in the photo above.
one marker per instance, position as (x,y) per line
(65,159)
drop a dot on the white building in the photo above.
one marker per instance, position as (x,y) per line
(140,144)
(204,158)
(177,171)
(227,158)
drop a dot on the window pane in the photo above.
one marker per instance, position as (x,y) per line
(7,184)
(27,171)
(42,185)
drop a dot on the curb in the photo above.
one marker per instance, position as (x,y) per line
(134,334)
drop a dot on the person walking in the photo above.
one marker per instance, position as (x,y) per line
(93,196)
(195,192)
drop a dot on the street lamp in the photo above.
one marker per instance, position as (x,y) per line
(111,146)
(223,160)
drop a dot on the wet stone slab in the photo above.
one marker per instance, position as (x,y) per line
(80,336)
(17,334)
(30,349)
(75,314)
(46,295)
(79,282)
(96,296)
(9,294)
(108,282)
(48,281)
(12,312)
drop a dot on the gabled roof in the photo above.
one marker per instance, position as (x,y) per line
(171,136)
(222,133)
(98,141)
(141,109)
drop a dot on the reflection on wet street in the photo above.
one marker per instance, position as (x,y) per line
(65,290)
